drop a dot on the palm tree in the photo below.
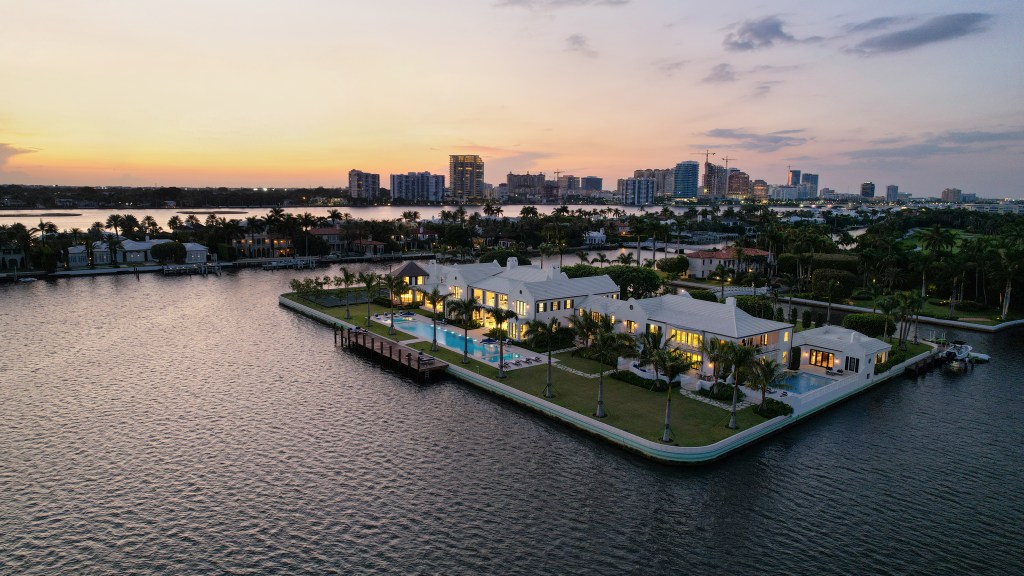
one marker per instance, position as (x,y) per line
(465,308)
(584,256)
(722,273)
(434,298)
(371,280)
(672,362)
(742,360)
(347,279)
(715,354)
(501,317)
(583,328)
(601,259)
(767,373)
(650,343)
(609,345)
(114,222)
(547,329)
(255,225)
(394,284)
(626,259)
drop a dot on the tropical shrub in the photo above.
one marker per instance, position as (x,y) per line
(169,253)
(895,357)
(722,393)
(773,408)
(805,319)
(677,265)
(639,381)
(702,294)
(582,270)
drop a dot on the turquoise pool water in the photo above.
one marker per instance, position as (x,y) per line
(802,382)
(452,338)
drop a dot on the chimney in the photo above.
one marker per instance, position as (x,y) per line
(730,301)
(512,262)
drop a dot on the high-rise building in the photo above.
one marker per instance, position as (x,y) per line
(715,180)
(416,187)
(810,181)
(363,185)
(739,183)
(466,173)
(685,177)
(637,191)
(568,184)
(794,178)
(759,189)
(952,195)
(892,193)
(663,179)
(867,190)
(525,187)
(591,184)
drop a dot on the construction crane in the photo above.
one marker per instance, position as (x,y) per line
(707,163)
(726,159)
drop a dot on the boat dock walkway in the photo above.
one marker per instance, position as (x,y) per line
(398,355)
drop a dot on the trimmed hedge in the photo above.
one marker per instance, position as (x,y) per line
(873,325)
(894,359)
(639,381)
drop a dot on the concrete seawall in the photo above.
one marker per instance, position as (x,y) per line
(649,449)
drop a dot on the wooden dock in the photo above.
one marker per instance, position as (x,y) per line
(389,352)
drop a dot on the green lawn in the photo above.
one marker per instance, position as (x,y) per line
(580,363)
(358,316)
(629,408)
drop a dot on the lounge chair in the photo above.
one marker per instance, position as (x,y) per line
(536,358)
(784,393)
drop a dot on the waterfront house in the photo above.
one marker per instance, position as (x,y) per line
(137,251)
(592,237)
(838,351)
(12,256)
(332,236)
(195,253)
(686,322)
(101,255)
(263,245)
(368,247)
(78,257)
(415,277)
(704,262)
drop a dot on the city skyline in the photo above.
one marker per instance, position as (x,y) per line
(267,94)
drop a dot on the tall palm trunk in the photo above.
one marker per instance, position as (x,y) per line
(735,395)
(600,394)
(665,437)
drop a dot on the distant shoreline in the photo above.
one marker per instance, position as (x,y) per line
(51,214)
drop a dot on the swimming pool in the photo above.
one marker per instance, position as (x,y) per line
(803,382)
(452,338)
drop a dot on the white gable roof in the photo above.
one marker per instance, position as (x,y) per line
(571,287)
(722,319)
(839,338)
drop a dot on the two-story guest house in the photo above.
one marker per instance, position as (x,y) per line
(703,263)
(685,322)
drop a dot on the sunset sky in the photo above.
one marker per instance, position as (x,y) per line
(926,95)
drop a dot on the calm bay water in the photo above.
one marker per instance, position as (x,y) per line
(190,425)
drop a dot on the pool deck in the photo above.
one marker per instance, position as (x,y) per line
(527,357)
(804,406)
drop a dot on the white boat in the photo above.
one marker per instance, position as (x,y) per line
(978,357)
(958,350)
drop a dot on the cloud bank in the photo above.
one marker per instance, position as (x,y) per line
(931,31)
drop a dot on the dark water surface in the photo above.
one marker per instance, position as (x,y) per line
(190,425)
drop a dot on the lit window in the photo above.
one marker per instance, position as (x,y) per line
(785,336)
